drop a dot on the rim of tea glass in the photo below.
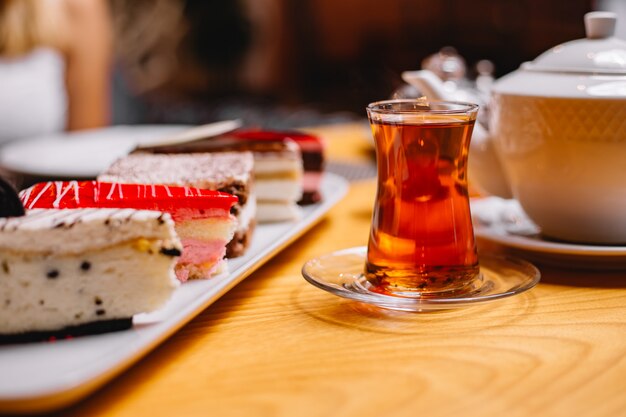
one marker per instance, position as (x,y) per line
(423,106)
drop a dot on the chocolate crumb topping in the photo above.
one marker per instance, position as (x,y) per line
(239,190)
(182,169)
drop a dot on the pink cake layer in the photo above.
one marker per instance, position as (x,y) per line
(200,259)
(311,181)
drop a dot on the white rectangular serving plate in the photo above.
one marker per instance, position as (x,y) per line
(49,375)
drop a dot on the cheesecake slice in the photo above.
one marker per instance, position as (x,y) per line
(66,272)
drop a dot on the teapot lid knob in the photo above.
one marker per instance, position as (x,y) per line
(599,25)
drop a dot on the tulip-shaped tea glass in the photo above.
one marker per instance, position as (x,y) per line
(421,252)
(421,238)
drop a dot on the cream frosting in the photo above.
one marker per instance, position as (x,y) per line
(71,231)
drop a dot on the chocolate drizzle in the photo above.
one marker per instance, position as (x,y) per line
(10,204)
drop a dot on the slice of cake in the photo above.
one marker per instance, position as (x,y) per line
(229,172)
(313,158)
(277,168)
(276,158)
(76,271)
(202,217)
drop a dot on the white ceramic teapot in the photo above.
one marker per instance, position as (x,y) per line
(557,136)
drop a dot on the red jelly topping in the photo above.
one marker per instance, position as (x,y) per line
(299,137)
(94,194)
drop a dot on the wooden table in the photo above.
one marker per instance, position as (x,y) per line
(277,346)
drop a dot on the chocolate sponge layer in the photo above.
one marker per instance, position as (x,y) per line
(96,327)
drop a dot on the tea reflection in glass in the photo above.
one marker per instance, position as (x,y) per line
(421,239)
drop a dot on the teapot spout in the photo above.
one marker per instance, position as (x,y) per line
(435,89)
(484,169)
(428,83)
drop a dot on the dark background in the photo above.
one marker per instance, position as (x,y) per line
(281,63)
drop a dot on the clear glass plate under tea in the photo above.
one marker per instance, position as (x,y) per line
(342,273)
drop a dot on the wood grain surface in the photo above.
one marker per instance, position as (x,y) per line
(277,346)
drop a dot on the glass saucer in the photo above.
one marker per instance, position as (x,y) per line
(341,273)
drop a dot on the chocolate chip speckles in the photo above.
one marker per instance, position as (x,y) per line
(170,251)
(52,274)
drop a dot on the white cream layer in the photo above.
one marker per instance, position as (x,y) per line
(207,229)
(291,167)
(278,190)
(273,211)
(248,213)
(72,231)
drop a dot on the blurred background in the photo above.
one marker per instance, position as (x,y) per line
(281,63)
(271,63)
(68,65)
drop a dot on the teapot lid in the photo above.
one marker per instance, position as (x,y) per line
(599,53)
